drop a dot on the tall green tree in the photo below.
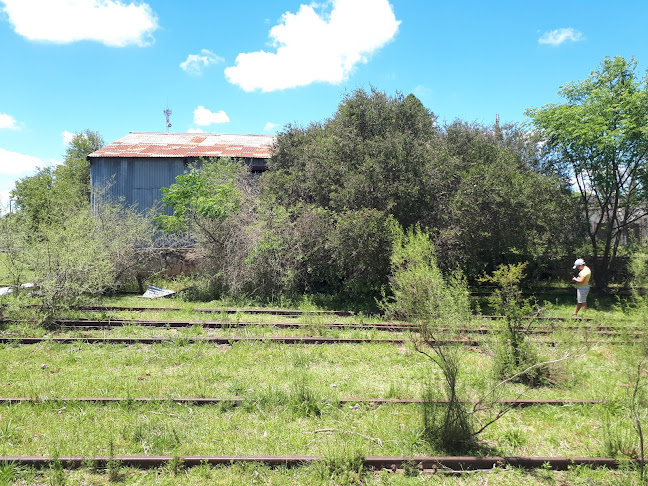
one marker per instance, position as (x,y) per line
(33,197)
(376,152)
(476,188)
(598,140)
(74,173)
(42,197)
(498,208)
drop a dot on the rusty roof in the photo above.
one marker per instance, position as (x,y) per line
(145,144)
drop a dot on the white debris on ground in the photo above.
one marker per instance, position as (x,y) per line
(8,290)
(153,292)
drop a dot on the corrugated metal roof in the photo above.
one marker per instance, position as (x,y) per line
(145,144)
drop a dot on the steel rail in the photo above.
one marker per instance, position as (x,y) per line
(519,403)
(220,340)
(291,312)
(217,310)
(387,327)
(538,318)
(277,312)
(100,307)
(223,340)
(101,324)
(452,464)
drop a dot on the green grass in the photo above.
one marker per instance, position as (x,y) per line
(292,394)
(318,475)
(204,370)
(174,369)
(285,427)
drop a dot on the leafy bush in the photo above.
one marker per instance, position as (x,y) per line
(84,254)
(422,293)
(419,290)
(514,355)
(447,423)
(210,190)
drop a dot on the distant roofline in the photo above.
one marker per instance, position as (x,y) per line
(188,145)
(197,134)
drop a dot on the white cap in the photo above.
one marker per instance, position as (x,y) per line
(580,261)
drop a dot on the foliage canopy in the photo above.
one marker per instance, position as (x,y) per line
(43,196)
(475,188)
(598,140)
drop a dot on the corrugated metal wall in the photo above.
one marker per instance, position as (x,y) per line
(134,182)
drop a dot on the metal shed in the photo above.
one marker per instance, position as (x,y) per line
(135,168)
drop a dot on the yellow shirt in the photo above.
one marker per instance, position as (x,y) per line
(585,274)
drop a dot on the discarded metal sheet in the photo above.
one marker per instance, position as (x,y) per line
(153,292)
(8,290)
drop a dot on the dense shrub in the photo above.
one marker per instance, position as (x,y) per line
(420,292)
(515,356)
(84,254)
(418,288)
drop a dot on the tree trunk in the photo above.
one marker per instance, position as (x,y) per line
(602,274)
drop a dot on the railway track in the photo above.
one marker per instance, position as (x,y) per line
(289,312)
(218,340)
(217,310)
(289,340)
(238,401)
(90,324)
(430,464)
(450,464)
(102,324)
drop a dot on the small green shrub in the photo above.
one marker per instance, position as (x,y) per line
(9,431)
(395,390)
(515,437)
(57,476)
(343,469)
(176,465)
(419,290)
(155,438)
(447,425)
(304,402)
(411,469)
(113,466)
(9,473)
(514,354)
(618,440)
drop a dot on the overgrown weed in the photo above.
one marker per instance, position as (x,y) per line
(514,355)
(343,467)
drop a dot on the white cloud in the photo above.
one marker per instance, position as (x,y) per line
(195,63)
(13,163)
(111,22)
(559,36)
(203,117)
(312,48)
(8,121)
(195,130)
(270,127)
(67,137)
(422,91)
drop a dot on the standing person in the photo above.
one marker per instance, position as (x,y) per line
(582,285)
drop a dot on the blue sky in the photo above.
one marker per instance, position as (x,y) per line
(254,66)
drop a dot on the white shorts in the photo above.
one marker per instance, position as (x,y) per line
(581,294)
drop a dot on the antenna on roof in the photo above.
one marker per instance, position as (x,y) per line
(167,114)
